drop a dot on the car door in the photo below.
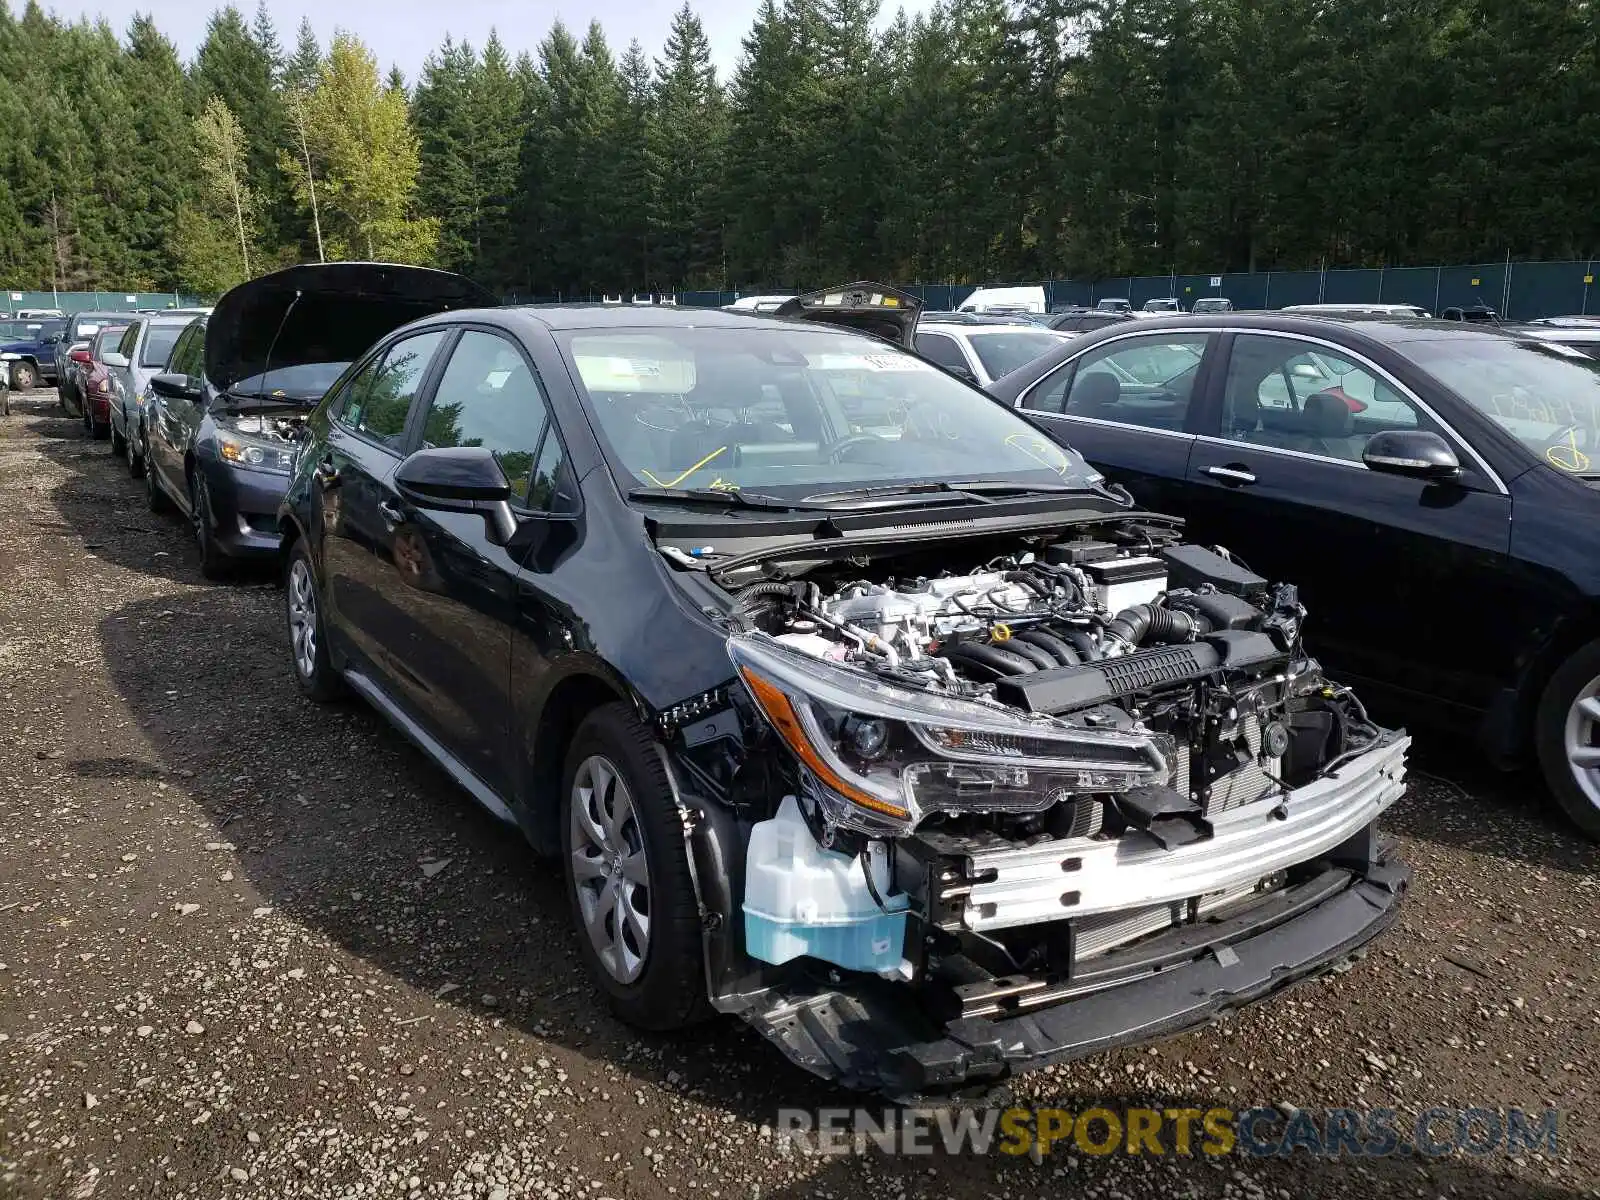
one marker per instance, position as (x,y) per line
(455,591)
(122,389)
(169,420)
(365,443)
(1278,478)
(1127,405)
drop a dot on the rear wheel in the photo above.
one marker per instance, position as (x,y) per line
(627,872)
(153,495)
(130,450)
(1567,737)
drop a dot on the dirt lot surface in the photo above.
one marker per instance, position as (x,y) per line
(253,948)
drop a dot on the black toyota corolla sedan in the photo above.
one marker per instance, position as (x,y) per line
(1433,488)
(218,433)
(849,702)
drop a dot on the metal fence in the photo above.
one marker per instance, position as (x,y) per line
(1519,291)
(71,302)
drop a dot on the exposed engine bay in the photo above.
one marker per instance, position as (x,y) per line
(1006,782)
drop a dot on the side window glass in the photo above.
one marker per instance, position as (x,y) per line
(937,348)
(1051,393)
(379,410)
(1292,395)
(489,397)
(348,406)
(188,359)
(549,491)
(129,338)
(1145,381)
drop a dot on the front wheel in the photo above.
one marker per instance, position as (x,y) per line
(213,562)
(119,444)
(1567,737)
(23,376)
(627,872)
(308,645)
(130,451)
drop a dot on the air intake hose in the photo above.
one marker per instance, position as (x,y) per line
(1147,622)
(991,659)
(1064,654)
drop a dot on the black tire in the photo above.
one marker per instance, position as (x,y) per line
(24,375)
(213,562)
(670,990)
(119,444)
(1572,679)
(317,678)
(153,495)
(135,457)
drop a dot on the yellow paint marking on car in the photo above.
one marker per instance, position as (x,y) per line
(674,483)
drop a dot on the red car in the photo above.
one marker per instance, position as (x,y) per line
(95,382)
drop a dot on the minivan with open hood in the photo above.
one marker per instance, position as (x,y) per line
(220,431)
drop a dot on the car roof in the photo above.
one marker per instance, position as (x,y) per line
(1386,329)
(631,316)
(972,328)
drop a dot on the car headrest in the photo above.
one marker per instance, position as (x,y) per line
(1098,389)
(1327,415)
(1246,413)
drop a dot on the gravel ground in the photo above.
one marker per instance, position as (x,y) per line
(253,948)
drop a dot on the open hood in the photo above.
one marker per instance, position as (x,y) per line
(324,313)
(874,308)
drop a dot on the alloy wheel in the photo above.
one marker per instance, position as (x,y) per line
(1581,740)
(609,868)
(303,618)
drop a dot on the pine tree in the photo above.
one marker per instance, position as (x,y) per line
(305,63)
(160,161)
(686,137)
(635,197)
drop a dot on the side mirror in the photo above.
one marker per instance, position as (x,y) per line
(1415,453)
(966,373)
(175,387)
(112,358)
(1305,371)
(461,479)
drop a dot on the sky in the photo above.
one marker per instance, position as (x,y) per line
(403,32)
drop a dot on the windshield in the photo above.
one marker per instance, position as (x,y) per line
(1001,353)
(306,382)
(27,331)
(1545,395)
(158,343)
(808,409)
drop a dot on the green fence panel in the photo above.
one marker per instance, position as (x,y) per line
(1461,287)
(1553,289)
(1350,287)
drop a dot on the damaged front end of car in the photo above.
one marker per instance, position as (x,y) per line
(947,826)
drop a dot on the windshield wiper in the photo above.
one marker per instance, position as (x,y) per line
(716,497)
(1006,487)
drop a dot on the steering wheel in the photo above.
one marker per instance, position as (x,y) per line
(836,451)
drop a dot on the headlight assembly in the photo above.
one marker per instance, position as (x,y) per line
(883,756)
(256,456)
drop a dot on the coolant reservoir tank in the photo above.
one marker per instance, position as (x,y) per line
(802,900)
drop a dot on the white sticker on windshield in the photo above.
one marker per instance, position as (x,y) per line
(869,362)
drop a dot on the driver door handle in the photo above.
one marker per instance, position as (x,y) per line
(327,473)
(391,512)
(1232,476)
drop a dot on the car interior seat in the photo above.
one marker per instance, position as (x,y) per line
(1095,394)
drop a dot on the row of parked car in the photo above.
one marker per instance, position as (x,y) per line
(892,713)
